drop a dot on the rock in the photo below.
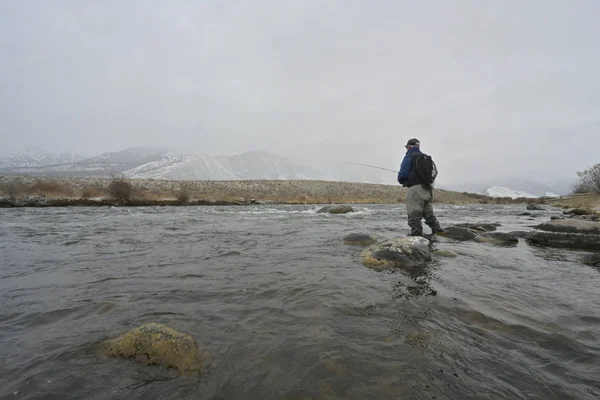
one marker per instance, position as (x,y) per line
(555,217)
(570,226)
(458,233)
(158,344)
(534,207)
(399,252)
(520,234)
(578,211)
(480,227)
(359,239)
(525,214)
(499,238)
(342,209)
(592,260)
(564,240)
(445,253)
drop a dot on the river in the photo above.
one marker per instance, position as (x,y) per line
(285,308)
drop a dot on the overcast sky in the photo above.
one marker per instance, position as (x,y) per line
(491,88)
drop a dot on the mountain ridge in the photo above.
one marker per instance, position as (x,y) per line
(146,162)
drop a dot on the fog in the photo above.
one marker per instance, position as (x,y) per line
(491,89)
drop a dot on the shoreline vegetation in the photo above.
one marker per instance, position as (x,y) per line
(34,191)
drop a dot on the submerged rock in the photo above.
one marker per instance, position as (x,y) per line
(534,207)
(499,238)
(359,239)
(445,253)
(592,260)
(564,240)
(570,226)
(397,253)
(159,345)
(519,234)
(341,209)
(458,233)
(478,228)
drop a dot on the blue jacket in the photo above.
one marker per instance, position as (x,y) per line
(404,172)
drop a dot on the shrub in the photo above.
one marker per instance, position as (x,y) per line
(589,180)
(120,190)
(183,197)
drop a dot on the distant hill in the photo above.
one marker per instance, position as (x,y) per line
(515,188)
(162,163)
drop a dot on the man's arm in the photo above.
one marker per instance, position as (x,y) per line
(404,172)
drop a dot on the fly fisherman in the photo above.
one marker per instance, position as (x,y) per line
(417,172)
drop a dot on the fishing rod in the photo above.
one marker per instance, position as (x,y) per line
(373,166)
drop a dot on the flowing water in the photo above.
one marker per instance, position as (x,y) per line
(285,308)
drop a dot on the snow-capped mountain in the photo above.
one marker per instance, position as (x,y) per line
(254,164)
(250,165)
(501,191)
(515,188)
(67,164)
(185,167)
(38,158)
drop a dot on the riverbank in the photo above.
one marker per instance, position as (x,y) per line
(28,191)
(584,200)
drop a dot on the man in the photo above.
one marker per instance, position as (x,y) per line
(420,192)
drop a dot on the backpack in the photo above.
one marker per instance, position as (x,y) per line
(425,169)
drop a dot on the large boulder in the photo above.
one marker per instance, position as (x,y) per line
(564,240)
(159,345)
(359,239)
(498,238)
(399,252)
(341,209)
(570,226)
(458,233)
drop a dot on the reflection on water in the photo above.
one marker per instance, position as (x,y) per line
(286,310)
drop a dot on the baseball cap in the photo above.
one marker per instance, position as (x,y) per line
(413,142)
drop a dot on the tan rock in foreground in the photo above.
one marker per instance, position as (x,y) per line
(158,344)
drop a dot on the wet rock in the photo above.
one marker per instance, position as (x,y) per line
(397,253)
(157,344)
(525,214)
(592,260)
(341,209)
(534,207)
(555,217)
(498,238)
(519,234)
(578,211)
(458,233)
(564,240)
(478,228)
(444,253)
(570,226)
(359,239)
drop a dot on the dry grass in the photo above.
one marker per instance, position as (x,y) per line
(583,200)
(89,192)
(195,192)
